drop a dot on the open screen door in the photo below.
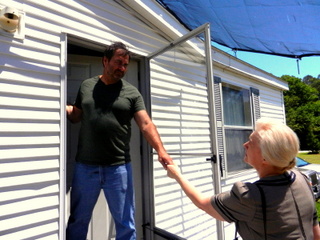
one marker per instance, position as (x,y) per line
(181,105)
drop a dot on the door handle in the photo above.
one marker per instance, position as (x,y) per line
(214,160)
(221,167)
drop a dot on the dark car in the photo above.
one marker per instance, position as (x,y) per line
(312,171)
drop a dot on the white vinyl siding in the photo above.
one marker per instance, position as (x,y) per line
(271,103)
(29,138)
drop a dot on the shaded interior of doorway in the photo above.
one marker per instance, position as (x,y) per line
(81,51)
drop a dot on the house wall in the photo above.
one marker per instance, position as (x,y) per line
(32,99)
(32,114)
(30,129)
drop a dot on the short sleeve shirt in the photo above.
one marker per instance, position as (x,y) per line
(107,111)
(243,205)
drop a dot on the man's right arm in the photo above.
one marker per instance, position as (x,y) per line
(74,114)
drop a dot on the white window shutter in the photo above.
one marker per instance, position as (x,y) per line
(255,95)
(219,117)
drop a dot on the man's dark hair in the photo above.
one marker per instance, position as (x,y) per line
(110,50)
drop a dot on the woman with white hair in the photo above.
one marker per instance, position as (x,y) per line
(280,205)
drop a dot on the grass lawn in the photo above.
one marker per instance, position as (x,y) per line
(318,209)
(311,158)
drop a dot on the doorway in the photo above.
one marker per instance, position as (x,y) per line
(84,62)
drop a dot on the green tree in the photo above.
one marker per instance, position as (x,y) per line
(302,107)
(313,82)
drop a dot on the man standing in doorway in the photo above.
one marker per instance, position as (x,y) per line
(105,105)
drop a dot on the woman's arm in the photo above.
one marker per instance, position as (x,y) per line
(195,196)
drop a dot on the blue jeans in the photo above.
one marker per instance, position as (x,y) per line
(116,182)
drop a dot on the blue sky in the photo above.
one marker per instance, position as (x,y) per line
(277,65)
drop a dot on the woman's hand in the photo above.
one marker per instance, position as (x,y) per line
(173,171)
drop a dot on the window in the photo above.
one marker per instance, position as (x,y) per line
(237,124)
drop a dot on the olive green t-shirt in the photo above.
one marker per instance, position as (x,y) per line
(107,111)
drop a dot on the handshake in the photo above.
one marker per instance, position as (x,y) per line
(173,171)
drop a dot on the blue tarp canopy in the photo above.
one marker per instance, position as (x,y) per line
(280,27)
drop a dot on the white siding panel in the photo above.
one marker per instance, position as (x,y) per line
(29,114)
(14,208)
(30,118)
(25,76)
(28,179)
(22,128)
(46,45)
(38,28)
(32,219)
(44,232)
(28,140)
(32,55)
(272,105)
(28,103)
(30,192)
(29,166)
(15,153)
(29,90)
